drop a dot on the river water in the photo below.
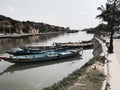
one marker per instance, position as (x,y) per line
(38,76)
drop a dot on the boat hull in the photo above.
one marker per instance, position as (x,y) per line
(74,45)
(38,58)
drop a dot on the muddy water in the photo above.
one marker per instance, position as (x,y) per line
(36,76)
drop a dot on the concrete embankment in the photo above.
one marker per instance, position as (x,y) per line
(97,48)
(100,49)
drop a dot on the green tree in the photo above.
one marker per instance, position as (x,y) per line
(6,26)
(19,27)
(107,14)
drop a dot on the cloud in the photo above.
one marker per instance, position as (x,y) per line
(8,9)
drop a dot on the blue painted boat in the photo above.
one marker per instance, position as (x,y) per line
(28,50)
(24,52)
(45,56)
(34,50)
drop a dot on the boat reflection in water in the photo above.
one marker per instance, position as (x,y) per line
(19,67)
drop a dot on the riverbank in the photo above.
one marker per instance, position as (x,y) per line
(15,35)
(90,76)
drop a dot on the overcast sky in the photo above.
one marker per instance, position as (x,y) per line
(76,14)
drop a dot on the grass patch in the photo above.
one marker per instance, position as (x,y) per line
(95,59)
(92,80)
(95,76)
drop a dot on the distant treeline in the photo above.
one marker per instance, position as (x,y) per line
(8,25)
(101,29)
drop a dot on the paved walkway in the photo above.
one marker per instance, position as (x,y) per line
(114,66)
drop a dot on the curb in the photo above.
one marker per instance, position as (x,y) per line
(104,53)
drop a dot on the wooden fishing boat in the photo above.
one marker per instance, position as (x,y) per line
(46,56)
(83,45)
(27,51)
(23,52)
(26,66)
(33,50)
(37,47)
